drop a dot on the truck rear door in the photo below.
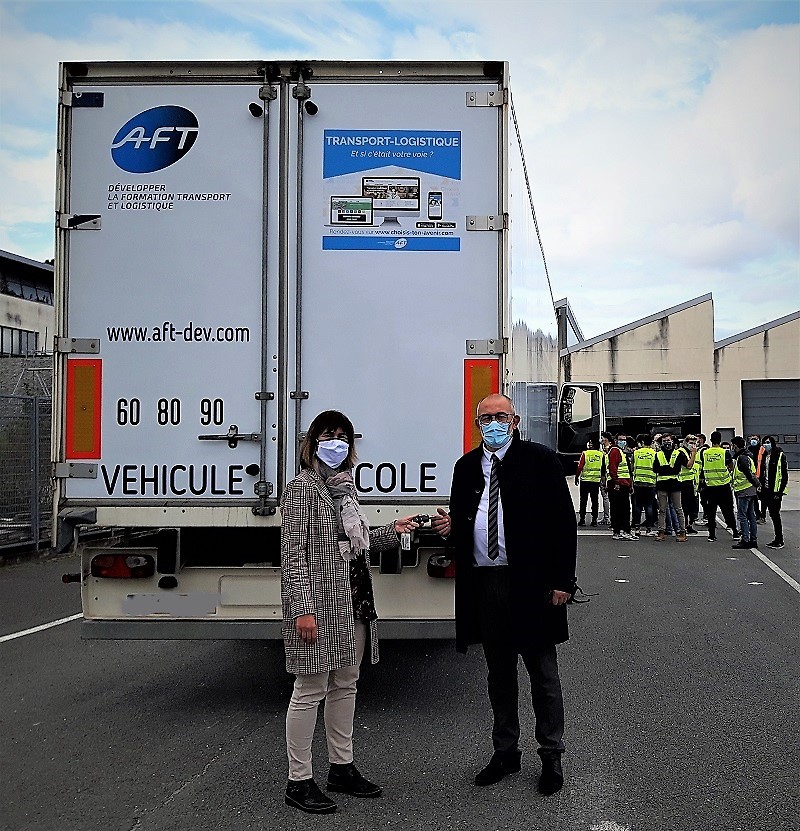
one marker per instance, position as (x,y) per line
(391,280)
(167,280)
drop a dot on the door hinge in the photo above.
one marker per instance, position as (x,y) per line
(490,222)
(76,346)
(82,99)
(79,222)
(493,346)
(490,98)
(75,470)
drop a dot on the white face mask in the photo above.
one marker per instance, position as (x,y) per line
(332,452)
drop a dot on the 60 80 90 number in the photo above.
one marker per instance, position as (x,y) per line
(168,411)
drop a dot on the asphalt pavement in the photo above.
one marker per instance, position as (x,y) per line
(680,682)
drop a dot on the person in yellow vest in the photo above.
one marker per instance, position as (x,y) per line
(591,471)
(716,475)
(745,488)
(667,467)
(686,481)
(619,487)
(775,481)
(644,485)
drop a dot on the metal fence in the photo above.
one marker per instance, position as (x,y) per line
(26,486)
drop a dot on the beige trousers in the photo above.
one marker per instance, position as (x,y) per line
(338,689)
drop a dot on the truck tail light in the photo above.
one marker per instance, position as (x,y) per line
(84,387)
(440,565)
(123,565)
(481,378)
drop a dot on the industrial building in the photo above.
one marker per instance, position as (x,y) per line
(667,366)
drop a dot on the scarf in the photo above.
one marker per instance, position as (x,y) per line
(351,524)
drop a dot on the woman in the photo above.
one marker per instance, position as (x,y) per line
(328,607)
(774,476)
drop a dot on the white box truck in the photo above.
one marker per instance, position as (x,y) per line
(241,246)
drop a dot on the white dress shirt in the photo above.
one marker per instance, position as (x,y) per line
(481,534)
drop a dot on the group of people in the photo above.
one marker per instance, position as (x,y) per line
(658,485)
(511,591)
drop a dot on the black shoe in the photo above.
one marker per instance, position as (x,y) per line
(581,522)
(594,523)
(775,544)
(711,539)
(741,545)
(498,767)
(552,778)
(306,796)
(347,779)
(737,535)
(690,530)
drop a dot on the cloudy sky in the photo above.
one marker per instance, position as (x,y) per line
(662,138)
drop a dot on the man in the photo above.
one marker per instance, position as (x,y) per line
(667,466)
(644,484)
(715,473)
(513,527)
(700,446)
(591,469)
(686,481)
(775,481)
(619,487)
(745,488)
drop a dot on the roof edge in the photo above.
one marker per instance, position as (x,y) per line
(764,327)
(629,327)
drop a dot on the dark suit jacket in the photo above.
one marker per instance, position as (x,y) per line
(541,540)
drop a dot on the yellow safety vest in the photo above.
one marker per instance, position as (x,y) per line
(715,471)
(643,458)
(685,474)
(776,485)
(740,481)
(623,471)
(592,465)
(662,460)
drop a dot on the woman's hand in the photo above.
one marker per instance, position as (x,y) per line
(406,524)
(441,523)
(306,626)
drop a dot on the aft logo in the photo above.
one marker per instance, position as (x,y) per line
(154,139)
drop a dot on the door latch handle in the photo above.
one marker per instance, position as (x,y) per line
(233,436)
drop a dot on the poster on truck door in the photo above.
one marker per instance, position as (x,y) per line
(171,287)
(391,276)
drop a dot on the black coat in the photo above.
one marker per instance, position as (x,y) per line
(541,540)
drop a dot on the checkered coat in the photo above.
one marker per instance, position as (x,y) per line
(316,580)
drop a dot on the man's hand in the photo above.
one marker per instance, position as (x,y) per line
(441,523)
(559,598)
(306,626)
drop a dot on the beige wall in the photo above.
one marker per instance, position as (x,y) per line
(29,315)
(774,353)
(676,347)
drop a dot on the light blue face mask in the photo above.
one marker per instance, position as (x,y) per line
(333,452)
(496,435)
(622,444)
(767,446)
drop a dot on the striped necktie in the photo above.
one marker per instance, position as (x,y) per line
(494,495)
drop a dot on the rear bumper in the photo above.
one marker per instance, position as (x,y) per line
(160,630)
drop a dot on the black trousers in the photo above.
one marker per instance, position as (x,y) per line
(620,504)
(498,637)
(720,496)
(774,508)
(589,489)
(688,502)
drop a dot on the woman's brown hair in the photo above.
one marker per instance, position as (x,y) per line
(328,421)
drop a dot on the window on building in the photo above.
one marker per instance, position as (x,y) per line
(18,341)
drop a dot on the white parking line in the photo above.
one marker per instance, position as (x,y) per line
(44,626)
(779,571)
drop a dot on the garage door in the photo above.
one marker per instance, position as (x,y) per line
(773,407)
